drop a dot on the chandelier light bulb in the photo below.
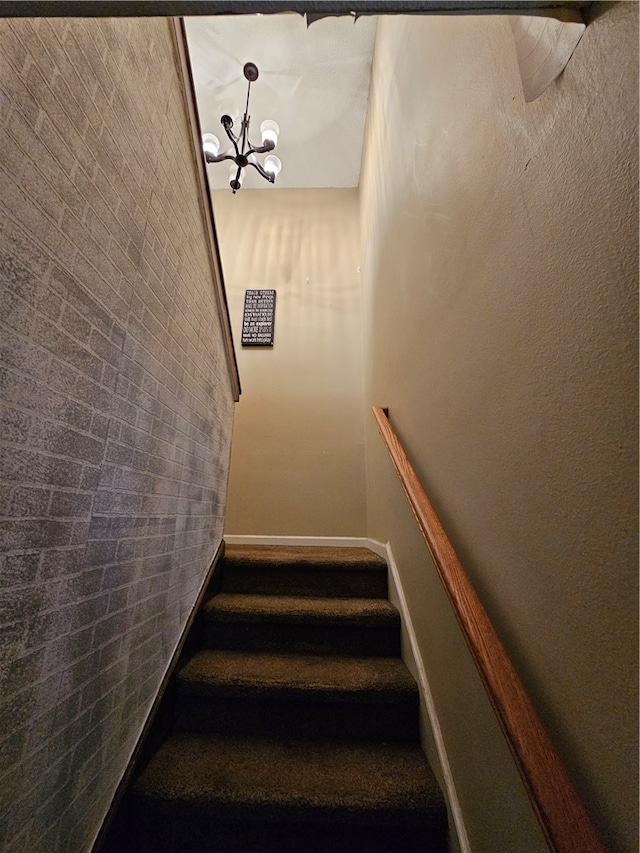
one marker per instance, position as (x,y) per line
(210,144)
(270,131)
(272,165)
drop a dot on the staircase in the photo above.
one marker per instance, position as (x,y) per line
(296,724)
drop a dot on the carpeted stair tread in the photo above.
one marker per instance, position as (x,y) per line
(302,625)
(310,556)
(334,679)
(258,779)
(230,607)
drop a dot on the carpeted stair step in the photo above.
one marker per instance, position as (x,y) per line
(339,626)
(297,695)
(296,726)
(201,793)
(304,571)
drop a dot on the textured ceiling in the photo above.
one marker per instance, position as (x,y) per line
(314,81)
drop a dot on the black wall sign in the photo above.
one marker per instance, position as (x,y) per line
(258,318)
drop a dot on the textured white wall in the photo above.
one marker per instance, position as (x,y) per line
(500,278)
(297,465)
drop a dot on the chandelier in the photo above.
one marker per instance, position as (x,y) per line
(243,153)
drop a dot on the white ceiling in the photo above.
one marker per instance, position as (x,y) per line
(314,81)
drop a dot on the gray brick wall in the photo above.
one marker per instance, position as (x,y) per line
(115,410)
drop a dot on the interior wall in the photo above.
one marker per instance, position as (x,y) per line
(500,272)
(297,464)
(115,408)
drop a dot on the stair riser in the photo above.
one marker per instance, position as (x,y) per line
(305,582)
(296,638)
(359,721)
(191,831)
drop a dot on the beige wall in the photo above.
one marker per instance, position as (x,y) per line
(297,464)
(500,281)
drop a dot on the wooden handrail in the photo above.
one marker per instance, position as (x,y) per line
(562,816)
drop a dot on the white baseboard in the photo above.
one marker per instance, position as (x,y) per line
(326,541)
(397,597)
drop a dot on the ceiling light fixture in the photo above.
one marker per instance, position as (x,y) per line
(243,153)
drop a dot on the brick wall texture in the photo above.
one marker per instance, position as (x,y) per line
(115,409)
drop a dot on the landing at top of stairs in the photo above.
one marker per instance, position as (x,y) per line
(317,556)
(304,571)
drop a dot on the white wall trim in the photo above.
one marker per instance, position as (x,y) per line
(326,541)
(396,594)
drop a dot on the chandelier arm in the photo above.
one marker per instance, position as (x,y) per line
(236,181)
(258,168)
(234,139)
(218,158)
(262,149)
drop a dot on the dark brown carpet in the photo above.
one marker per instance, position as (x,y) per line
(296,726)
